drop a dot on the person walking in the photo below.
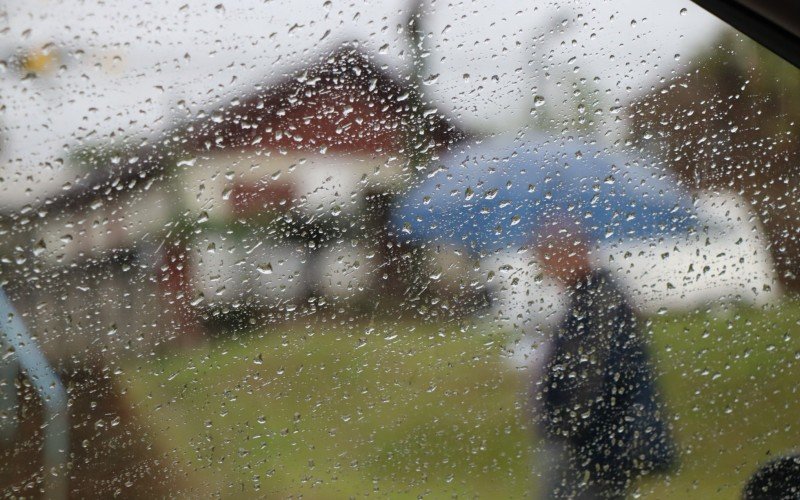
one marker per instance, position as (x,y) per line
(600,412)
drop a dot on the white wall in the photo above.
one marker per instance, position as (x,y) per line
(345,272)
(728,261)
(227,272)
(323,184)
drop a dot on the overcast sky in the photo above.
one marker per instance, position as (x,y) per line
(127,65)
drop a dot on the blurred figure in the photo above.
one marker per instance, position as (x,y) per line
(600,413)
(778,480)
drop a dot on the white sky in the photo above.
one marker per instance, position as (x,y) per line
(129,63)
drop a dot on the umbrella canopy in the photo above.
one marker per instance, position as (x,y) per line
(497,193)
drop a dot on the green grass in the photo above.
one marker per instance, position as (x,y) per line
(731,380)
(345,407)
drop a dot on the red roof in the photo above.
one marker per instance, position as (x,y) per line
(342,103)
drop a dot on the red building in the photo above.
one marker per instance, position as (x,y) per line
(275,195)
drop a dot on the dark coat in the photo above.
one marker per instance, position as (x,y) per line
(598,391)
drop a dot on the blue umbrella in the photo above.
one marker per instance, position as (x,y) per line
(498,193)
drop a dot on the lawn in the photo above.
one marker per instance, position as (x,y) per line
(341,407)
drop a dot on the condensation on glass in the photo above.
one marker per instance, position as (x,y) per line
(410,248)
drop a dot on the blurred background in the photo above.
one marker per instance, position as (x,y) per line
(275,249)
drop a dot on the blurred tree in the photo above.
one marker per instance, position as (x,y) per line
(728,123)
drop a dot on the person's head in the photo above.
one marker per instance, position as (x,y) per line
(778,479)
(563,250)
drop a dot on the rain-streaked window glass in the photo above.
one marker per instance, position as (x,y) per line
(409,248)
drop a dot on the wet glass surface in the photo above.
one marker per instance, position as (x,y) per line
(405,249)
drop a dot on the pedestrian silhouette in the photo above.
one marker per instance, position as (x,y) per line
(601,414)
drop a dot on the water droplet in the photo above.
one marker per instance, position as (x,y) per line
(431,79)
(39,248)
